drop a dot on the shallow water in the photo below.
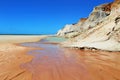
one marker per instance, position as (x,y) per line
(55,39)
(56,63)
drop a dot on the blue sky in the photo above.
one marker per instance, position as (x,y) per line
(42,16)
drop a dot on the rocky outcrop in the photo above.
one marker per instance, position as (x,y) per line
(101,31)
(68,29)
(71,30)
(95,18)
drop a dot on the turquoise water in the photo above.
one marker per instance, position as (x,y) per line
(55,39)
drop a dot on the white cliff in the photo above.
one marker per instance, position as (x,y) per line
(95,18)
(100,32)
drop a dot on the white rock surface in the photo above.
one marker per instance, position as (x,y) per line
(105,35)
(96,17)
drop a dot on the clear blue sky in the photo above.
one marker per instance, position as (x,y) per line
(42,16)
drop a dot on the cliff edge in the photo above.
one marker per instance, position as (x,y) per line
(101,30)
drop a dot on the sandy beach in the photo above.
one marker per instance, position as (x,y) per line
(20,38)
(29,62)
(58,63)
(59,40)
(13,55)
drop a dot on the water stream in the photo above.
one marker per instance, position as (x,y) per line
(53,62)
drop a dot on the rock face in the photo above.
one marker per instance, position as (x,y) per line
(101,30)
(71,30)
(96,17)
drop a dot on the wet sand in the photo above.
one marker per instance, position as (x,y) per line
(57,63)
(52,62)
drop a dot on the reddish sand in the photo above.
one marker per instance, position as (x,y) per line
(55,63)
(11,58)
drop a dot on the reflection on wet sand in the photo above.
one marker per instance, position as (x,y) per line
(56,63)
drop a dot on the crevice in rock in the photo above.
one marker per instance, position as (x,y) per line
(117,20)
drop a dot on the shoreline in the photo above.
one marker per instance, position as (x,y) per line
(21,38)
